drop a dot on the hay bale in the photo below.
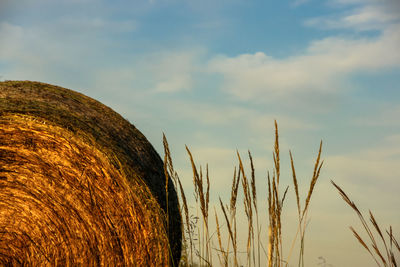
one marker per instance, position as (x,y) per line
(79,185)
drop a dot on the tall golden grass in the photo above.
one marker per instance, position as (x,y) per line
(222,243)
(384,254)
(221,246)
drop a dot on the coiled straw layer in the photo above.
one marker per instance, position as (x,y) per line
(78,184)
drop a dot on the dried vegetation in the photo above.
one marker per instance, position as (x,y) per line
(79,184)
(222,245)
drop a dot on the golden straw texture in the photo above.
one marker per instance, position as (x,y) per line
(79,185)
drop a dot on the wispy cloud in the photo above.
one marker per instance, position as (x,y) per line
(226,115)
(173,71)
(362,18)
(10,46)
(38,53)
(155,72)
(324,67)
(84,24)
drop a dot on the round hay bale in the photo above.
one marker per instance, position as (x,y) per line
(79,185)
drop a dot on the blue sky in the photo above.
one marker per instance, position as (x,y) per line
(215,74)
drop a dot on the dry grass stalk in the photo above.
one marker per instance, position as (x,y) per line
(376,226)
(317,170)
(170,174)
(275,205)
(254,195)
(232,210)
(80,185)
(296,187)
(169,168)
(388,259)
(231,235)
(168,160)
(360,239)
(270,246)
(272,223)
(276,153)
(302,214)
(187,221)
(203,196)
(392,239)
(303,219)
(167,177)
(224,260)
(247,202)
(234,192)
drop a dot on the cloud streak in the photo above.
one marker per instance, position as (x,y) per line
(372,16)
(82,24)
(324,67)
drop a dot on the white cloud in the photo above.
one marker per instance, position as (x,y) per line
(392,4)
(26,52)
(232,116)
(150,73)
(369,17)
(35,53)
(39,53)
(172,71)
(176,82)
(324,67)
(10,46)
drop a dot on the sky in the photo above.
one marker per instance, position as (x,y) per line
(215,74)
